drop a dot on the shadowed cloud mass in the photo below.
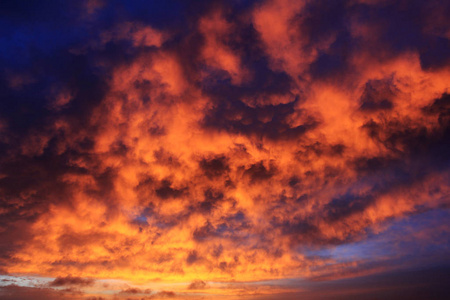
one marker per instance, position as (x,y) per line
(236,149)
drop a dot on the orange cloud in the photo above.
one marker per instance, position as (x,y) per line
(206,162)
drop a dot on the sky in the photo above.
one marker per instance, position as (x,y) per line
(273,149)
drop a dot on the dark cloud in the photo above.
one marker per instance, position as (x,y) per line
(166,191)
(347,205)
(416,140)
(212,199)
(133,291)
(204,232)
(193,257)
(268,121)
(298,230)
(14,292)
(440,107)
(72,281)
(378,95)
(214,167)
(259,172)
(165,294)
(197,285)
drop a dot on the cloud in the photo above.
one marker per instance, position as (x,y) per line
(133,291)
(228,141)
(72,281)
(197,285)
(13,292)
(165,294)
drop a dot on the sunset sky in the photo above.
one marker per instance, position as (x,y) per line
(235,149)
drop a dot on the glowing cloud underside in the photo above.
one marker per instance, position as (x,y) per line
(230,148)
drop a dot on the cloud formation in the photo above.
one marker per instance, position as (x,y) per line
(71,281)
(222,141)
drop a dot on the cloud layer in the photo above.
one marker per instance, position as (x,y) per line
(223,141)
